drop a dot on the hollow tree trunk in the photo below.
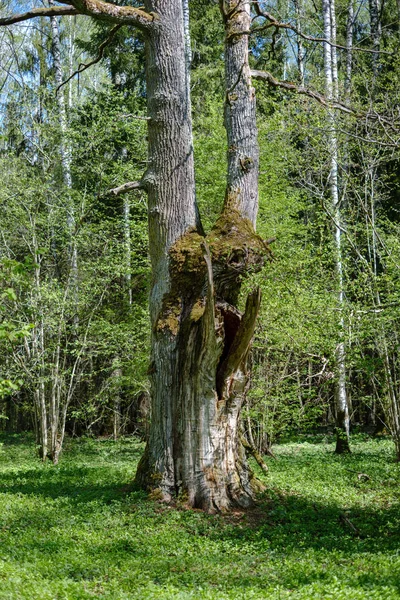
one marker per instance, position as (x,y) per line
(200,339)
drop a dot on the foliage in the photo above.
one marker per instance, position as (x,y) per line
(12,330)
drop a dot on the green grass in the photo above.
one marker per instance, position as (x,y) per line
(78,531)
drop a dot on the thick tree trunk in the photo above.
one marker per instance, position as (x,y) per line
(200,339)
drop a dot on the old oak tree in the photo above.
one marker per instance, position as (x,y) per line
(200,340)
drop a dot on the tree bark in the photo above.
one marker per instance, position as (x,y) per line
(349,53)
(376,33)
(300,51)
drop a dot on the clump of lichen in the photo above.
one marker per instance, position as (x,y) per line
(187,258)
(236,250)
(232,235)
(188,274)
(198,310)
(170,313)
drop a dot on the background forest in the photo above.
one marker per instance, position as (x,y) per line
(74,330)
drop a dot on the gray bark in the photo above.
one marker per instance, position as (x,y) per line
(127,240)
(240,111)
(169,182)
(200,340)
(376,32)
(349,53)
(300,51)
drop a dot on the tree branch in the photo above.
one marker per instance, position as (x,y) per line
(273,22)
(83,66)
(54,11)
(298,89)
(112,13)
(98,9)
(335,104)
(254,452)
(125,188)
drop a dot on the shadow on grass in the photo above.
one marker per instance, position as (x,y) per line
(288,540)
(80,484)
(101,480)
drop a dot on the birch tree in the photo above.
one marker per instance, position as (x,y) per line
(331,89)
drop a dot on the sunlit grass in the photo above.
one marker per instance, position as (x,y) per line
(328,527)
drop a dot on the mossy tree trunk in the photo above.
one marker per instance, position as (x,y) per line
(200,338)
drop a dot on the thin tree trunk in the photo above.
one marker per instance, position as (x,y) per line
(349,53)
(65,153)
(335,79)
(376,33)
(300,51)
(398,14)
(330,68)
(127,239)
(38,348)
(56,401)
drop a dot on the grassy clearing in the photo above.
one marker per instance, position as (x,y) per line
(78,531)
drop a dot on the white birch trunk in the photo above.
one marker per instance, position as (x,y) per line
(65,154)
(376,33)
(331,87)
(300,51)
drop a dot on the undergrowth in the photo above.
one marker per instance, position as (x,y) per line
(327,528)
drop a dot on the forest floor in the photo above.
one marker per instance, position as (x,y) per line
(328,527)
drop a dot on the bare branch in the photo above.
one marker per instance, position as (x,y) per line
(299,89)
(329,104)
(125,188)
(83,66)
(54,11)
(98,9)
(273,22)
